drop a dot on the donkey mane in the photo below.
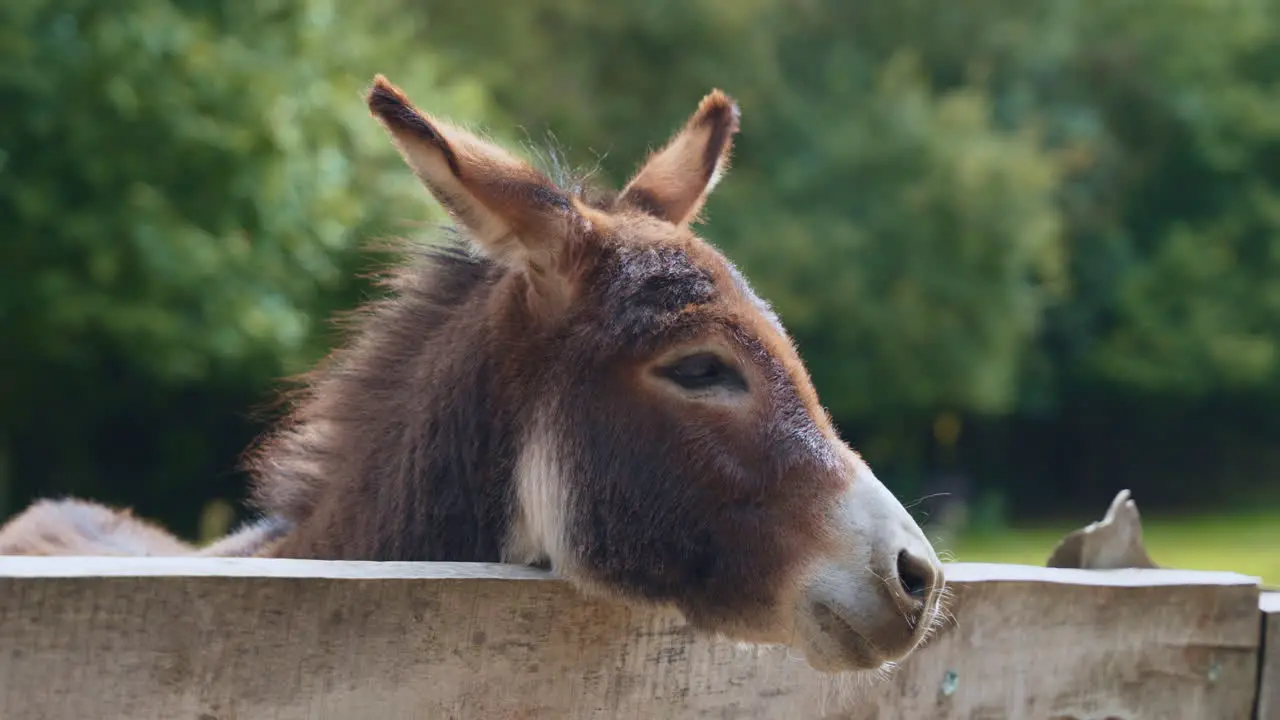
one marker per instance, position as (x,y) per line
(407,453)
(376,417)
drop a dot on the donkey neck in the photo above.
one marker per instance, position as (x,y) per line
(404,445)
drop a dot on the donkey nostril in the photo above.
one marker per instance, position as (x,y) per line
(915,575)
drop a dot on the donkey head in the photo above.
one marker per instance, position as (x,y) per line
(672,447)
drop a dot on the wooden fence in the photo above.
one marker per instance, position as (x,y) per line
(210,639)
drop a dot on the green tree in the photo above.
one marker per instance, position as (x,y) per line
(184,188)
(1198,314)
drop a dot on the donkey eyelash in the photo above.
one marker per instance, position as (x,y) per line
(703,371)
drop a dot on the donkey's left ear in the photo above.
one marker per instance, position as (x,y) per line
(674,182)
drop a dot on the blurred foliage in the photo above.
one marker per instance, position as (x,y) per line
(184,180)
(183,187)
(1059,221)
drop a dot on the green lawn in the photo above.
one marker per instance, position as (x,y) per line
(1246,543)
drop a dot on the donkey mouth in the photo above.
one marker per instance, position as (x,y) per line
(838,645)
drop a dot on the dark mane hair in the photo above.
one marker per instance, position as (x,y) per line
(356,426)
(334,430)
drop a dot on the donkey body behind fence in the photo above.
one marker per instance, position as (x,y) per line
(579,382)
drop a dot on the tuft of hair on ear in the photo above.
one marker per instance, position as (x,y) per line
(673,184)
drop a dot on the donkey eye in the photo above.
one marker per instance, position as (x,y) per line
(703,371)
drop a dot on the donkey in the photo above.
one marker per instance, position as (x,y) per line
(575,380)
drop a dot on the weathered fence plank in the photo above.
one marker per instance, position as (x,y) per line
(1269,669)
(215,638)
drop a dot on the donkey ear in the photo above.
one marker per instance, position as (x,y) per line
(674,182)
(513,212)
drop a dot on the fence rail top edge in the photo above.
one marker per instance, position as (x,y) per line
(963,573)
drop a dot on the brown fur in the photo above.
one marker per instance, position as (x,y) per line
(532,358)
(75,527)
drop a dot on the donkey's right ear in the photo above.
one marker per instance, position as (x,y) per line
(513,212)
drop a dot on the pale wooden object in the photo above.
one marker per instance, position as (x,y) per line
(1112,543)
(1269,672)
(242,638)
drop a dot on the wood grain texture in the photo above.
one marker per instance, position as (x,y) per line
(1269,669)
(219,639)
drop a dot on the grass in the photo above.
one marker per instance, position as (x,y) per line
(1245,542)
